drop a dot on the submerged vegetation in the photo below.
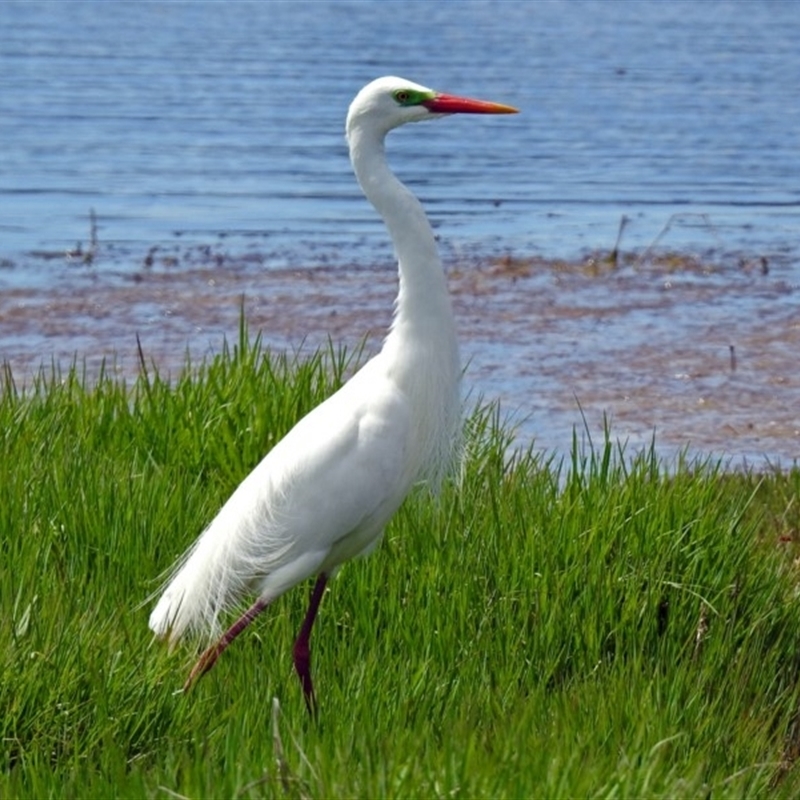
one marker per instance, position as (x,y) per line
(595,627)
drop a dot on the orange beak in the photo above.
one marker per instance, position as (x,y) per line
(451,104)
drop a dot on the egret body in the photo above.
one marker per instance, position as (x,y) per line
(325,492)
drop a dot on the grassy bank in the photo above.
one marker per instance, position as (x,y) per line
(600,627)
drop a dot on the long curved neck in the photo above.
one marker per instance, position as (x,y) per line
(421,350)
(423,300)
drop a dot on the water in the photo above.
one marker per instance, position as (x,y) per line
(208,118)
(214,131)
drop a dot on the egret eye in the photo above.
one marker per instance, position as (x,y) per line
(402,96)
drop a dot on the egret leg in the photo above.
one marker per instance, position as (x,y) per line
(302,647)
(210,656)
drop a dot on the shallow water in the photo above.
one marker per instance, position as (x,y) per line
(207,138)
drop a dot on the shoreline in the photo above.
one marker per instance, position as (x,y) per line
(699,351)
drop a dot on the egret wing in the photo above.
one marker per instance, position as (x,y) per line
(319,497)
(342,471)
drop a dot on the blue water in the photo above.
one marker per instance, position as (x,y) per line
(207,118)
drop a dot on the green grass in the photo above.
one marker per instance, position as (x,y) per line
(603,627)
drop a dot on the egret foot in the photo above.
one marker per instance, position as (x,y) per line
(210,656)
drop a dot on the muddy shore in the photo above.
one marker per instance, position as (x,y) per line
(700,350)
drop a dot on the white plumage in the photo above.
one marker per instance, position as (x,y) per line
(325,492)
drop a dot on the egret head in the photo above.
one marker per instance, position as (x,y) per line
(388,102)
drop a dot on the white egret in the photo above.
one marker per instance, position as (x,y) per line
(325,492)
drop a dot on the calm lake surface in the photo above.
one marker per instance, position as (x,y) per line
(207,139)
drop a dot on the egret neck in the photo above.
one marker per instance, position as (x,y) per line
(421,347)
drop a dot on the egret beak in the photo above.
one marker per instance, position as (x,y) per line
(451,104)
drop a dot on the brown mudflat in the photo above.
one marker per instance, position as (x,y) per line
(703,353)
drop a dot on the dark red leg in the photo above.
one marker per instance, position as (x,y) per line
(302,648)
(210,656)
